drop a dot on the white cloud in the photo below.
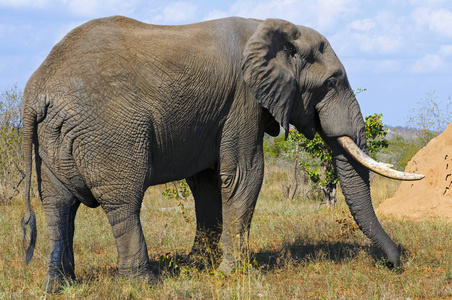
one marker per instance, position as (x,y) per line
(4,30)
(97,8)
(446,50)
(441,22)
(24,3)
(13,36)
(373,65)
(438,63)
(321,15)
(388,65)
(83,8)
(65,29)
(177,12)
(431,2)
(438,21)
(363,25)
(429,63)
(330,11)
(216,14)
(380,34)
(285,9)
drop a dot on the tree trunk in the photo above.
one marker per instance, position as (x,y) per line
(330,195)
(296,168)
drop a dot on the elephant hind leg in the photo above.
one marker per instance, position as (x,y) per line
(123,213)
(205,187)
(60,207)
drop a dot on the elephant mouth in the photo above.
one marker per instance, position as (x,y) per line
(381,168)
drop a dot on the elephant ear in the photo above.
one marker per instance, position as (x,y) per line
(269,69)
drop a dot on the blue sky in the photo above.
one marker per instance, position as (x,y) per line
(399,50)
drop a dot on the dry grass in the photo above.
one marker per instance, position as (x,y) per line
(299,254)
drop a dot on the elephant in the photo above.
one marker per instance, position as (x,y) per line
(119,106)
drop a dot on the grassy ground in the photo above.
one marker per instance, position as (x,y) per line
(295,254)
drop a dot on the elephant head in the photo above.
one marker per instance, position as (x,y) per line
(293,72)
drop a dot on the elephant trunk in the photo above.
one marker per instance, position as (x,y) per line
(354,175)
(354,179)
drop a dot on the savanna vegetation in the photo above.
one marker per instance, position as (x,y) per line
(295,252)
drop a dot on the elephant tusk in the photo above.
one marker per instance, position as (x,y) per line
(386,164)
(381,168)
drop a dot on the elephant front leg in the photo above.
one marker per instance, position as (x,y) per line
(205,187)
(240,190)
(133,259)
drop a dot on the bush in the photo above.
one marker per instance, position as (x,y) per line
(273,147)
(11,165)
(401,150)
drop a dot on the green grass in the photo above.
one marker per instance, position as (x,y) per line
(299,254)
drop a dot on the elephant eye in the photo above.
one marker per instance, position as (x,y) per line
(331,84)
(290,49)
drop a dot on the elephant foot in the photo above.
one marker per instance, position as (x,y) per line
(54,283)
(202,261)
(148,278)
(228,266)
(142,273)
(234,268)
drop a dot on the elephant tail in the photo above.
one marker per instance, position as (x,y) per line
(29,129)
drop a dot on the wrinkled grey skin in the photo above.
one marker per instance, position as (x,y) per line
(120,105)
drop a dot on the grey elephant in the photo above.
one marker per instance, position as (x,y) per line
(120,105)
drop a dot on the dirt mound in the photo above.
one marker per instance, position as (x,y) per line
(430,197)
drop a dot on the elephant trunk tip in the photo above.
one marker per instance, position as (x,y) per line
(393,263)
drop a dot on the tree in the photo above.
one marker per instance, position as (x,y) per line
(318,164)
(431,116)
(427,119)
(11,170)
(375,134)
(318,161)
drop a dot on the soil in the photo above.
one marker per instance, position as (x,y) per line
(431,197)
